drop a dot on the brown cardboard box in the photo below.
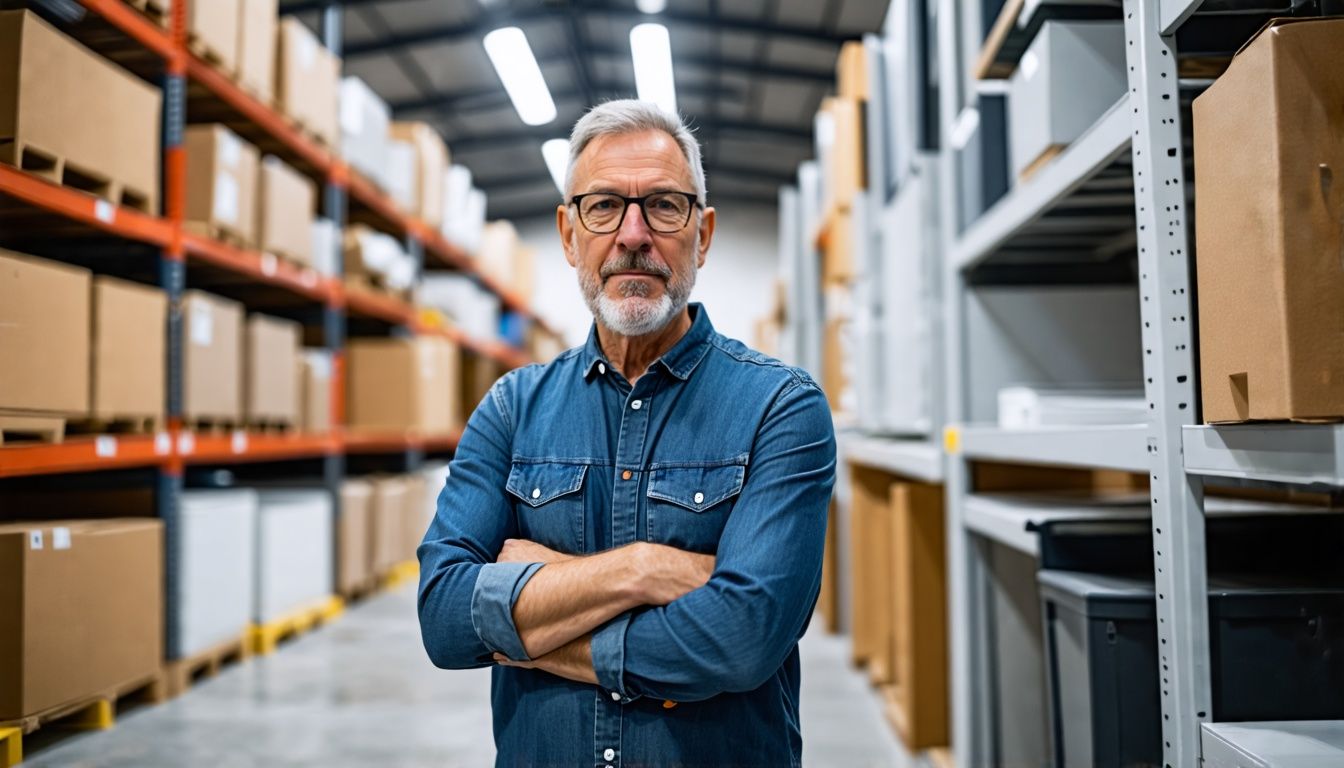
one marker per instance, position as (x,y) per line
(354,537)
(846,171)
(499,242)
(307,79)
(834,380)
(1271,328)
(524,272)
(851,71)
(286,202)
(415,519)
(478,374)
(221,184)
(82,606)
(44,335)
(403,385)
(315,391)
(257,20)
(431,162)
(65,109)
(129,341)
(212,28)
(388,532)
(919,615)
(212,358)
(837,259)
(271,392)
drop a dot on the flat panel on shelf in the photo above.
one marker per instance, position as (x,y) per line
(1312,744)
(1281,453)
(1122,447)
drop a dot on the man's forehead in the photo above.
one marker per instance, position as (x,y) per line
(646,154)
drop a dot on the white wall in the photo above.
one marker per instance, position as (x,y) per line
(736,285)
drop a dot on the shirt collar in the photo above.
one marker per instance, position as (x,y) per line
(680,360)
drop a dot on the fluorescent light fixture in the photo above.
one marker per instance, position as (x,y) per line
(518,70)
(651,49)
(556,152)
(651,6)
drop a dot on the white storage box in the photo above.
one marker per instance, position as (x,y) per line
(294,552)
(216,574)
(401,174)
(1072,73)
(456,189)
(365,122)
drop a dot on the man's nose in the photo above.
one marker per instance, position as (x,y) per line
(634,234)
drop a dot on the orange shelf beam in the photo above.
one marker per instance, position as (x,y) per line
(262,267)
(392,442)
(387,308)
(83,207)
(85,454)
(244,447)
(133,24)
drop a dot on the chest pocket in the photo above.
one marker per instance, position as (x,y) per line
(549,503)
(688,506)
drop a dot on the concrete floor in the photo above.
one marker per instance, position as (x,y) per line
(361,692)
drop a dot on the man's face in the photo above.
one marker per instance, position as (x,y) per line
(634,280)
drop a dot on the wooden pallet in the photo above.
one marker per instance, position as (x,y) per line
(156,10)
(271,427)
(209,425)
(208,54)
(184,673)
(59,170)
(264,638)
(92,713)
(115,425)
(31,426)
(219,233)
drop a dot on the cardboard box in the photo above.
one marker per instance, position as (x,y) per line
(479,374)
(846,165)
(851,71)
(1270,228)
(838,262)
(82,608)
(212,29)
(286,205)
(365,121)
(375,257)
(44,335)
(215,574)
(354,541)
(307,80)
(221,185)
(403,385)
(129,339)
(431,162)
(388,542)
(499,244)
(1071,74)
(212,358)
(271,392)
(413,520)
(315,391)
(400,176)
(257,20)
(295,547)
(919,639)
(65,109)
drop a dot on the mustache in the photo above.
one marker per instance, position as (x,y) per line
(634,261)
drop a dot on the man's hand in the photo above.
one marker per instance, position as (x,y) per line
(572,661)
(524,551)
(667,573)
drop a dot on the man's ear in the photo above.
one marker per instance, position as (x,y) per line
(566,229)
(707,220)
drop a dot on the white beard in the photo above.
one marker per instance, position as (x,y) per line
(635,314)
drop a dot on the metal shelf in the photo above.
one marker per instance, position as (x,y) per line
(262,268)
(74,205)
(85,454)
(914,458)
(1310,744)
(1020,20)
(1281,453)
(1121,447)
(1012,519)
(1076,206)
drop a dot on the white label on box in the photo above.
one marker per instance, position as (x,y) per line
(104,211)
(226,198)
(60,538)
(230,150)
(105,446)
(163,443)
(35,540)
(186,443)
(239,441)
(268,264)
(307,51)
(1029,65)
(202,325)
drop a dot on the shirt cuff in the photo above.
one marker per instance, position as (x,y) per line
(608,651)
(497,588)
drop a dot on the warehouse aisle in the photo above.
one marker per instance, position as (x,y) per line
(361,692)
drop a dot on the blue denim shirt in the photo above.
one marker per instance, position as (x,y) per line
(730,453)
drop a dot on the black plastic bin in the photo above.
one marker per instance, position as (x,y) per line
(1276,653)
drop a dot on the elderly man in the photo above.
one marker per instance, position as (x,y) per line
(633,533)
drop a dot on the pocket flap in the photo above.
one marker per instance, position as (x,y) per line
(537,484)
(696,488)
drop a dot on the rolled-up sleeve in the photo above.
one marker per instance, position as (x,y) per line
(735,632)
(466,599)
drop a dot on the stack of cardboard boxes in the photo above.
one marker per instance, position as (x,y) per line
(507,260)
(383,519)
(307,81)
(404,386)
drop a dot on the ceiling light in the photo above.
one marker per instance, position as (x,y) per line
(518,70)
(651,49)
(556,152)
(651,6)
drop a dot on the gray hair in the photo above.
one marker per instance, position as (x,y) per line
(623,116)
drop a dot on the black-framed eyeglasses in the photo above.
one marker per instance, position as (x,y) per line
(664,212)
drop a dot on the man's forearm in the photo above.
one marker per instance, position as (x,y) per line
(568,599)
(572,661)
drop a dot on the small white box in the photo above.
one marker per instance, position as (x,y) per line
(365,123)
(456,188)
(294,552)
(401,174)
(216,576)
(1072,73)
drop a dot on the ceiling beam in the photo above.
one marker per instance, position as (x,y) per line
(498,139)
(497,98)
(491,19)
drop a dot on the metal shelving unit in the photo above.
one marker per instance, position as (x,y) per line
(1299,454)
(1312,744)
(1122,447)
(918,459)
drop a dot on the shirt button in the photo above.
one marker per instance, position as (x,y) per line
(536,493)
(609,755)
(699,498)
(602,368)
(626,475)
(615,697)
(637,404)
